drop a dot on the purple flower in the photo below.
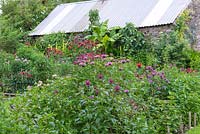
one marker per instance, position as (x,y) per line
(91,97)
(150,68)
(154,73)
(126,91)
(117,88)
(111,81)
(162,75)
(87,83)
(104,56)
(96,92)
(108,64)
(100,76)
(149,76)
(123,61)
(150,81)
(167,81)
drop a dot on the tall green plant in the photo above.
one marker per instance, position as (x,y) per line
(102,34)
(172,47)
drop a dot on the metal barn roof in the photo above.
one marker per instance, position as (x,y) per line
(73,17)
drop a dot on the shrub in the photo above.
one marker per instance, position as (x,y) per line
(108,96)
(39,64)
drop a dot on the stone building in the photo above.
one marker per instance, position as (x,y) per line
(150,16)
(194,25)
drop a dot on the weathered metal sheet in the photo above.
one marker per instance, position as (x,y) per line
(73,17)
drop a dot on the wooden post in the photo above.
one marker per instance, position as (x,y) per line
(195,119)
(190,120)
(181,126)
(168,130)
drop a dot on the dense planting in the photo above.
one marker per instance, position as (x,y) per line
(114,81)
(108,96)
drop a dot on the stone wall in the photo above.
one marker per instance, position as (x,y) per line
(156,31)
(195,21)
(194,25)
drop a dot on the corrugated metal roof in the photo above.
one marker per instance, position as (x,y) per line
(73,17)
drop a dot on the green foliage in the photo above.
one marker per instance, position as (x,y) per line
(132,40)
(195,130)
(9,36)
(172,47)
(194,59)
(127,41)
(94,18)
(39,64)
(19,17)
(5,66)
(105,99)
(23,69)
(58,40)
(104,37)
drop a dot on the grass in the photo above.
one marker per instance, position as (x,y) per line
(195,130)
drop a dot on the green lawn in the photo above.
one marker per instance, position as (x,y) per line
(195,130)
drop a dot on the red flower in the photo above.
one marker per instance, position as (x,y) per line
(139,65)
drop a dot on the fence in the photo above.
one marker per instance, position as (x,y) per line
(192,120)
(15,87)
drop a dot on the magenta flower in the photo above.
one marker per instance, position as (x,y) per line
(100,76)
(87,83)
(92,63)
(126,91)
(97,56)
(104,56)
(82,64)
(108,64)
(111,81)
(117,88)
(123,61)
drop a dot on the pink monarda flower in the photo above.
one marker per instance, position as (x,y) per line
(117,88)
(111,81)
(82,64)
(87,83)
(108,64)
(126,91)
(100,76)
(104,56)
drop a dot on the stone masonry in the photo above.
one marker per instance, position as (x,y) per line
(195,21)
(194,25)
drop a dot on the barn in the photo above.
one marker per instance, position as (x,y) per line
(150,16)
